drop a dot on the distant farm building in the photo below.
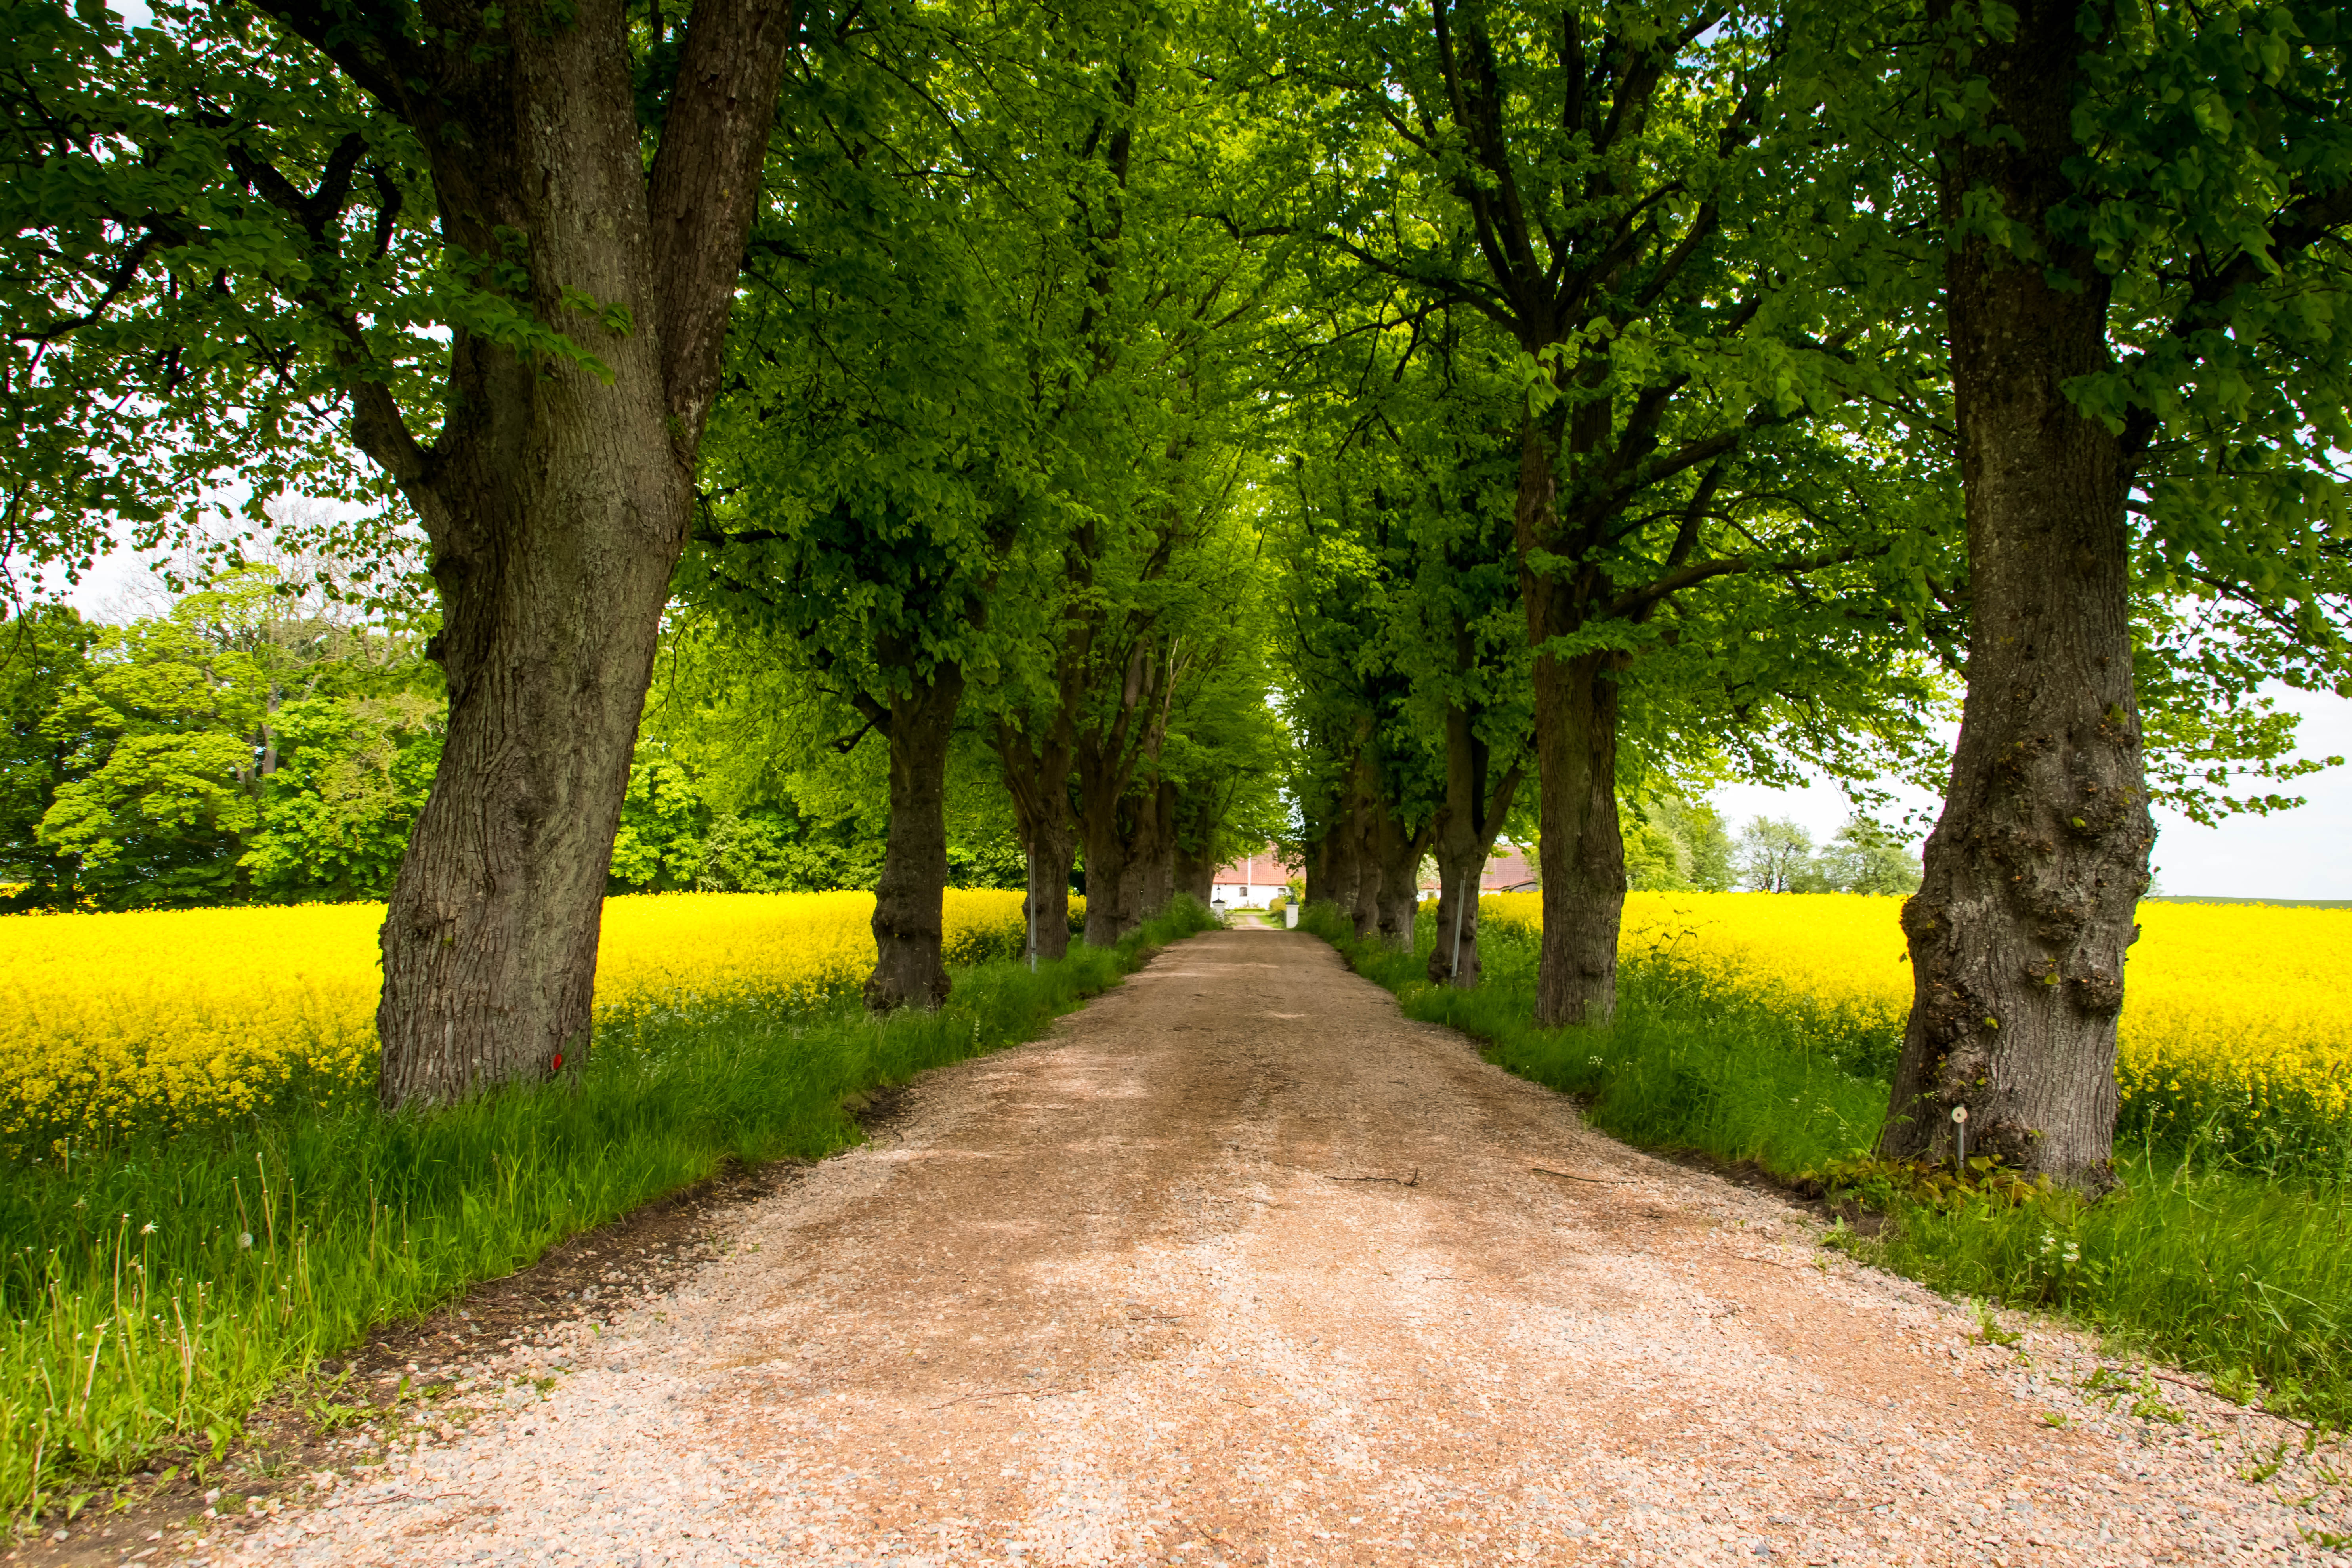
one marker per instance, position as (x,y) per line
(1511,869)
(1249,881)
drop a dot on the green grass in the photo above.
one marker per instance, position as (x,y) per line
(2208,1257)
(156,1290)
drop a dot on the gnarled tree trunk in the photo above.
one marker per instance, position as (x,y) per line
(1364,836)
(1462,838)
(1151,858)
(1037,777)
(2020,926)
(910,896)
(1398,899)
(1454,959)
(1196,873)
(556,500)
(1341,861)
(1583,851)
(1107,880)
(1047,905)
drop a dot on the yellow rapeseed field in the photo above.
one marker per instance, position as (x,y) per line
(2245,1009)
(112,1020)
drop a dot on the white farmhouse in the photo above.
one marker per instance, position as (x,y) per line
(1250,882)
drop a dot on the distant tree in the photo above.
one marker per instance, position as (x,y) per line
(1712,867)
(42,654)
(259,743)
(1776,856)
(1865,857)
(1697,854)
(1655,862)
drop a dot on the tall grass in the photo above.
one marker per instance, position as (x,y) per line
(157,1288)
(2219,1258)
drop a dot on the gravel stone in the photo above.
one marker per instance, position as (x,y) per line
(1242,1266)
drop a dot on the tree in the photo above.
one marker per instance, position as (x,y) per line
(2145,213)
(262,740)
(1674,846)
(44,654)
(738,785)
(975,356)
(1864,858)
(243,188)
(1614,192)
(1776,856)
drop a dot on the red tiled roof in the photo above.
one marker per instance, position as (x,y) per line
(1257,870)
(1504,872)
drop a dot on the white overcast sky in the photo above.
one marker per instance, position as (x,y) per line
(2305,853)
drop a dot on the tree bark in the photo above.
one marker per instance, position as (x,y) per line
(1037,777)
(1463,838)
(2019,929)
(1364,845)
(909,898)
(1107,869)
(1109,754)
(1454,960)
(1151,861)
(1343,868)
(1048,903)
(1581,851)
(1399,898)
(556,500)
(1196,873)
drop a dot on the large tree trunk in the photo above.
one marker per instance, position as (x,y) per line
(910,896)
(1398,899)
(556,500)
(1151,861)
(1107,888)
(2019,929)
(1454,960)
(1343,859)
(1047,906)
(1463,839)
(1318,876)
(1582,852)
(1196,872)
(1364,814)
(1037,777)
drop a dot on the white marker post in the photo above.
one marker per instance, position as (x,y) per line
(1960,1154)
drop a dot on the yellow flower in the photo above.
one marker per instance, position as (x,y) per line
(173,1017)
(2247,1006)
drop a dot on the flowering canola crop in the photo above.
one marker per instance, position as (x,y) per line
(116,1020)
(2243,1011)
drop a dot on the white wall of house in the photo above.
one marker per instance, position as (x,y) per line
(1250,881)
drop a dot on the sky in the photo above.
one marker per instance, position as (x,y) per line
(2305,853)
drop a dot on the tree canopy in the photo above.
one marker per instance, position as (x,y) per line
(910,443)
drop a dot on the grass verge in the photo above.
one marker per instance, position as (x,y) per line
(2229,1267)
(154,1290)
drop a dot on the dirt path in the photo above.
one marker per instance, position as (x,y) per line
(1242,1266)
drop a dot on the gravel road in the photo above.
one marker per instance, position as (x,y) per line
(1241,1266)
